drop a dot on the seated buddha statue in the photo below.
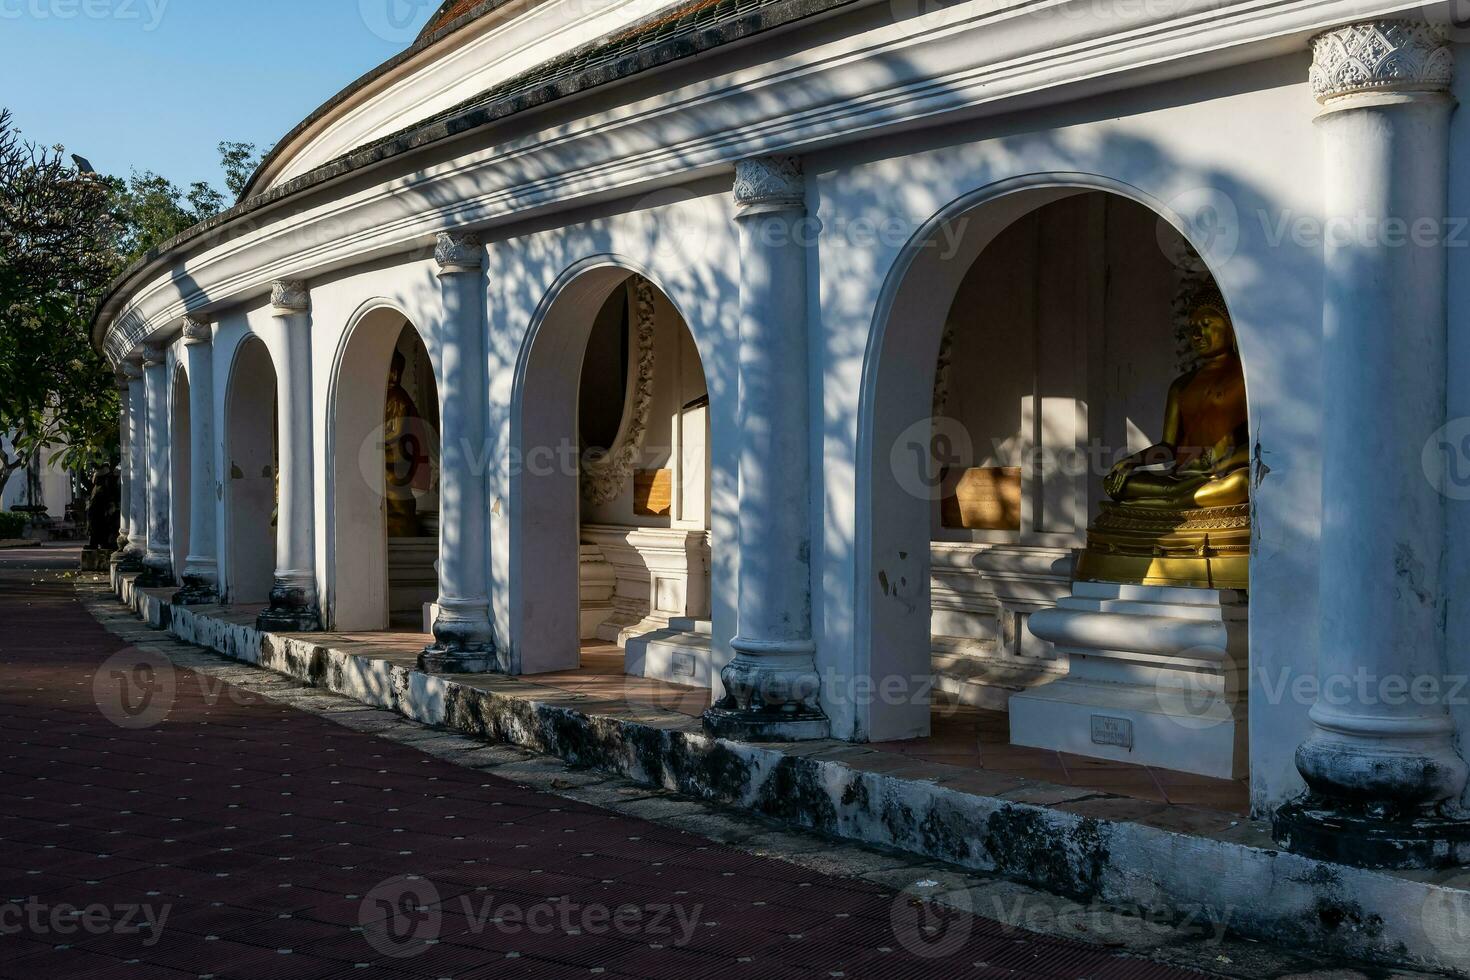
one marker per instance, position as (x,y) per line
(1180,510)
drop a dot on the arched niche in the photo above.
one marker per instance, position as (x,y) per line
(250,475)
(379,580)
(1036,322)
(610,490)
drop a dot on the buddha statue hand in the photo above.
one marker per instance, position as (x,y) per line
(1117,477)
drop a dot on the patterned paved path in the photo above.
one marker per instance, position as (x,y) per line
(239,837)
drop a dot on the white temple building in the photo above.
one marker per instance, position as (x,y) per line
(42,483)
(789,346)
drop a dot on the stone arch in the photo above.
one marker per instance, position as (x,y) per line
(548,499)
(897,397)
(359,595)
(248,568)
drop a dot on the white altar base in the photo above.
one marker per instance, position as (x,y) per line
(1157,678)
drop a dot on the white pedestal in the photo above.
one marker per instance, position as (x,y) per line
(1157,677)
(679,654)
(659,574)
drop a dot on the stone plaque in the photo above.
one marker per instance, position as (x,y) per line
(1112,731)
(984,498)
(683,665)
(653,493)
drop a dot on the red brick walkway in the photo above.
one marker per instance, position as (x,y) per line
(242,838)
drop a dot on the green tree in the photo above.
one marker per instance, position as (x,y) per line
(240,162)
(57,254)
(65,234)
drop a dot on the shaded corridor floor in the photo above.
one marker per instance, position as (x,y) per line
(235,836)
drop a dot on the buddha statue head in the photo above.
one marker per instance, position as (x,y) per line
(1210,331)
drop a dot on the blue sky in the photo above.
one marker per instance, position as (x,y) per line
(156,84)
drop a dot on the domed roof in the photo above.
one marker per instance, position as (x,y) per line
(448,12)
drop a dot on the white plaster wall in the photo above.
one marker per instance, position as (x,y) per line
(1241,141)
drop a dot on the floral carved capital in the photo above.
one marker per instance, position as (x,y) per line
(770,182)
(197,331)
(1380,56)
(289,296)
(458,252)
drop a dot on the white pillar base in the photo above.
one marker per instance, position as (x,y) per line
(1157,678)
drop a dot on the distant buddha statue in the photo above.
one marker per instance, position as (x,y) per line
(403,453)
(1181,508)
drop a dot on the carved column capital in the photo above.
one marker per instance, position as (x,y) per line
(772,183)
(289,297)
(197,330)
(1380,56)
(458,252)
(155,355)
(132,370)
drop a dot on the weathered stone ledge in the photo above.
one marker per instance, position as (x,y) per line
(1180,861)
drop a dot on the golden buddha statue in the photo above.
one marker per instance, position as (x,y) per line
(1181,508)
(403,453)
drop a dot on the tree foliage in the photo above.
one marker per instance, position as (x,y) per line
(65,234)
(240,162)
(151,209)
(57,232)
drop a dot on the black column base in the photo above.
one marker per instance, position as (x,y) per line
(293,609)
(126,563)
(1372,836)
(766,725)
(155,577)
(444,660)
(289,621)
(196,593)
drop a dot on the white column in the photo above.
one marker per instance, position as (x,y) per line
(771,685)
(137,468)
(124,468)
(1381,765)
(294,607)
(200,575)
(464,640)
(158,563)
